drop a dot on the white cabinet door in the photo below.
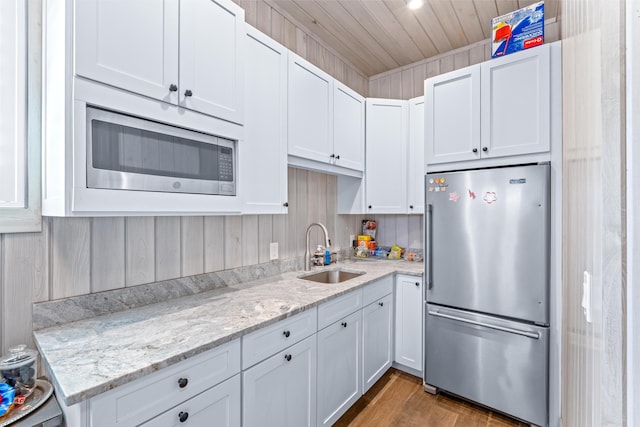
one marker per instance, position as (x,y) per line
(348,127)
(377,329)
(409,337)
(386,156)
(417,161)
(211,72)
(220,404)
(516,96)
(263,151)
(339,367)
(281,391)
(310,118)
(129,44)
(452,116)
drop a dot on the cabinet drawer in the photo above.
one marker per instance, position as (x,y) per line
(220,403)
(336,309)
(267,341)
(147,397)
(376,290)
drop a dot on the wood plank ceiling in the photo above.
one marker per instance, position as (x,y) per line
(380,35)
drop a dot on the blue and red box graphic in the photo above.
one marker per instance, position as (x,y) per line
(518,30)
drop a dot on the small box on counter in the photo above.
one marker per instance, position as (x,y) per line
(369,228)
(518,30)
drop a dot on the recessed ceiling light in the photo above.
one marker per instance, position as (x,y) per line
(415,4)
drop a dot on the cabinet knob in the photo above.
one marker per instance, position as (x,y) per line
(188,92)
(182,416)
(332,156)
(286,334)
(173,88)
(485,149)
(338,157)
(410,206)
(285,204)
(475,150)
(370,206)
(287,357)
(381,304)
(417,284)
(182,382)
(344,324)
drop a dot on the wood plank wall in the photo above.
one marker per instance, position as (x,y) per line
(294,36)
(77,256)
(408,82)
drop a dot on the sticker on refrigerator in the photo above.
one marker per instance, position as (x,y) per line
(472,195)
(453,197)
(431,181)
(431,189)
(490,197)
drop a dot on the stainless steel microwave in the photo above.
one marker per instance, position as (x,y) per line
(130,153)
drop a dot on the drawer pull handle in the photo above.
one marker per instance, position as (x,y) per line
(344,324)
(287,357)
(381,304)
(286,334)
(182,416)
(182,382)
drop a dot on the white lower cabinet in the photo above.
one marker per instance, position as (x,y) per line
(281,390)
(377,339)
(408,333)
(219,406)
(339,367)
(190,385)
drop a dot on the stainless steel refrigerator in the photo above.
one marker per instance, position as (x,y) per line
(487,294)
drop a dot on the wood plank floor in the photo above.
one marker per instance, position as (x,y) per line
(398,399)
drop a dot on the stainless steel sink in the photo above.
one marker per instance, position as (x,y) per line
(332,276)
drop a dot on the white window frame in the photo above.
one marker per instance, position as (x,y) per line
(20,205)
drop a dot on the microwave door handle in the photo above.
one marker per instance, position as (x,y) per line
(528,334)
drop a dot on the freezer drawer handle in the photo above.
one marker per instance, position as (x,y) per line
(534,335)
(428,258)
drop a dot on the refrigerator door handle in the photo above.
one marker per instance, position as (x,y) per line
(528,334)
(429,257)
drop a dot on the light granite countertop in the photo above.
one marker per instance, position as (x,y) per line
(88,357)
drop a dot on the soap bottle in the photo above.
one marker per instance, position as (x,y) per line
(318,256)
(327,256)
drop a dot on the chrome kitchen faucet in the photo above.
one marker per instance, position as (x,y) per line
(307,259)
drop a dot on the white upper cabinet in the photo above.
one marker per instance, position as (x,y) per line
(516,95)
(348,127)
(211,71)
(325,121)
(263,152)
(19,144)
(495,109)
(136,50)
(417,161)
(386,156)
(181,52)
(310,118)
(452,116)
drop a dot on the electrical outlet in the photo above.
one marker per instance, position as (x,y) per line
(273,251)
(352,237)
